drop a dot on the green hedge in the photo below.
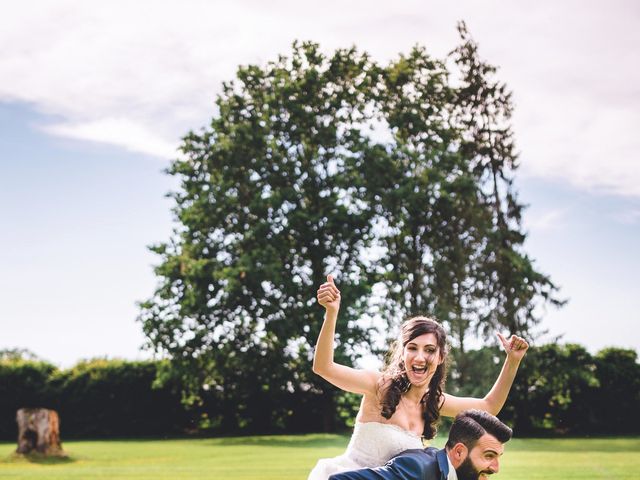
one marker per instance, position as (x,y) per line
(563,389)
(99,398)
(560,389)
(23,383)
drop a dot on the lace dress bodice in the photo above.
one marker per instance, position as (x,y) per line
(372,444)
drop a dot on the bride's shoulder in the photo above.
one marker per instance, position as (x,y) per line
(375,378)
(383,382)
(370,378)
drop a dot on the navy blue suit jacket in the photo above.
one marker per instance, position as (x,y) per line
(420,464)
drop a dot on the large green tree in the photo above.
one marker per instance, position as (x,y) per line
(453,237)
(399,176)
(270,202)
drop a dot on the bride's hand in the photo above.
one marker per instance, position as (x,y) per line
(329,295)
(516,347)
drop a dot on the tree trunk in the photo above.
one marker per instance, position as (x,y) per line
(38,430)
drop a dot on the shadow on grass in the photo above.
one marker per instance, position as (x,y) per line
(38,458)
(582,445)
(293,441)
(313,440)
(595,445)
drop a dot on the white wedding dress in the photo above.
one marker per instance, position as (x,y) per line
(372,444)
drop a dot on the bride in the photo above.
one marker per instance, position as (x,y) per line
(402,404)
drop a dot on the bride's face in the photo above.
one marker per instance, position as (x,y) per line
(421,358)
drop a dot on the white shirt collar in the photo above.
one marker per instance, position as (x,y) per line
(452,471)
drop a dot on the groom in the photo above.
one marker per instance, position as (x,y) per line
(472,451)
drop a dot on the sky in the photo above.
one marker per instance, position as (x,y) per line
(95,96)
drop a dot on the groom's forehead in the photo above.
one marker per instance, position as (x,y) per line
(487,443)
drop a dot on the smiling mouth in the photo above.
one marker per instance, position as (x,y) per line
(419,370)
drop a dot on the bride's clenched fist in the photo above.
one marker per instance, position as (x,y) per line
(329,295)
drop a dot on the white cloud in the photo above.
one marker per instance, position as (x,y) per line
(628,217)
(140,74)
(590,145)
(117,131)
(550,220)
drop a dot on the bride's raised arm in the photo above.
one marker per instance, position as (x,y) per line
(516,347)
(346,378)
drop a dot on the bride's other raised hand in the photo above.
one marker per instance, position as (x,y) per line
(494,400)
(516,347)
(329,296)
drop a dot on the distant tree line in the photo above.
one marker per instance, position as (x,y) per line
(98,398)
(560,389)
(563,389)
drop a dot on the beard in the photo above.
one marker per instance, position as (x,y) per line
(468,471)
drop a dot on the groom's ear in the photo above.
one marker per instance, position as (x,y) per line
(460,452)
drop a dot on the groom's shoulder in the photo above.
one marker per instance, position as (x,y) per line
(419,459)
(419,453)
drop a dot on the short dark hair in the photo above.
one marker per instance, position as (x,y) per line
(470,425)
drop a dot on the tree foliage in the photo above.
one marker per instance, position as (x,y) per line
(23,383)
(116,398)
(454,240)
(561,389)
(399,176)
(97,398)
(269,203)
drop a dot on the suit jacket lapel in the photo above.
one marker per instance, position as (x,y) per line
(443,464)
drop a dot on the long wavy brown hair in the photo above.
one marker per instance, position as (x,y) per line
(395,383)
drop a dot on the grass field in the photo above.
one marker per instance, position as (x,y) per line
(291,457)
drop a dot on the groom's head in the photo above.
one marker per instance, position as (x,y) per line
(475,444)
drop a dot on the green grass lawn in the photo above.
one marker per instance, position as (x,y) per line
(291,457)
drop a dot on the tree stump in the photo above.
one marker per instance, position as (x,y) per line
(38,430)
